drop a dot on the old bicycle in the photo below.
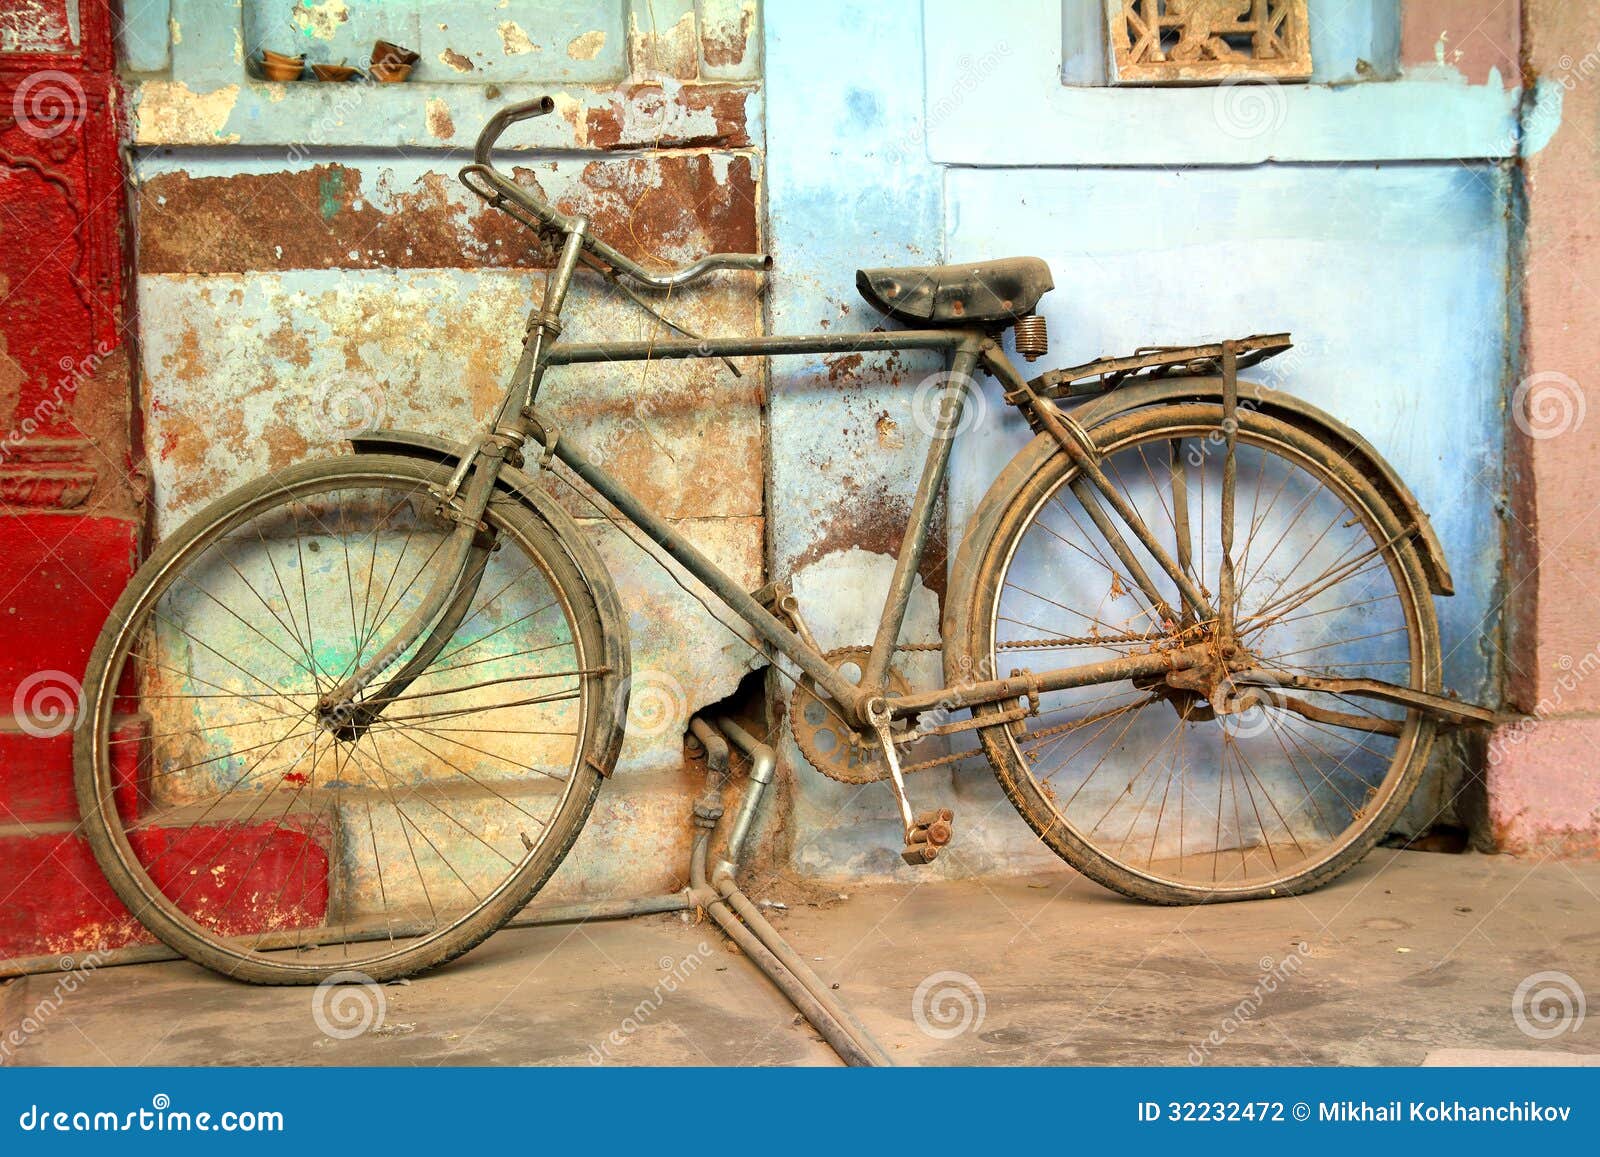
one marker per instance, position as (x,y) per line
(353,715)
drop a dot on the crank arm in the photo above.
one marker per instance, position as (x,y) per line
(1442,706)
(926,833)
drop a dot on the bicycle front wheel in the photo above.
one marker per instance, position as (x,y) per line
(256,839)
(1150,787)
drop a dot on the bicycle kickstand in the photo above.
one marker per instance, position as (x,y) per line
(927,832)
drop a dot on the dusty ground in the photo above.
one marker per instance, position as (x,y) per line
(1408,957)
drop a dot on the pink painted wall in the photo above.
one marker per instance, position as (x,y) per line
(1544,790)
(1471,36)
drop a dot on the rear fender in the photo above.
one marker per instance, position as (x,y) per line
(984,523)
(613,711)
(1352,447)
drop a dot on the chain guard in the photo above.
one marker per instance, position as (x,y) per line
(835,749)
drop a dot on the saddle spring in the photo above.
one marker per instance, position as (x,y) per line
(1033,339)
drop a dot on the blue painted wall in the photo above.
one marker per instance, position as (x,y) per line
(1369,219)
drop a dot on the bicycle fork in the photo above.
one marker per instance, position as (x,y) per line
(463,500)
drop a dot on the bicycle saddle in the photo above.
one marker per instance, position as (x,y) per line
(1001,290)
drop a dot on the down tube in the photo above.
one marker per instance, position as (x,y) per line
(731,593)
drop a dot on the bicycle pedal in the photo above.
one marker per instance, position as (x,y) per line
(931,831)
(934,828)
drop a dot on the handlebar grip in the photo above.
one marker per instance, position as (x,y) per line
(504,119)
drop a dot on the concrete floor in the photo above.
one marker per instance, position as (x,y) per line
(1411,957)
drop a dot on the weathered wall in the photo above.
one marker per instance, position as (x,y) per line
(1544,786)
(69,501)
(307,264)
(1367,212)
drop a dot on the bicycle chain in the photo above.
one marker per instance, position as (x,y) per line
(1057,641)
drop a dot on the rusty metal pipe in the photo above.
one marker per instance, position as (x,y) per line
(717,893)
(831,1029)
(763,762)
(533,916)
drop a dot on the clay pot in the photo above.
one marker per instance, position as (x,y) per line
(390,73)
(335,73)
(392,63)
(277,66)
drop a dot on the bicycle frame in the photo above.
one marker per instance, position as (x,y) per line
(517,420)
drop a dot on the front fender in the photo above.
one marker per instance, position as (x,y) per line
(1286,408)
(613,633)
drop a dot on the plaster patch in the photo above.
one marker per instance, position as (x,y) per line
(439,122)
(321,20)
(169,112)
(514,39)
(587,46)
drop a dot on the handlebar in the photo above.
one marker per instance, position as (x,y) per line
(503,120)
(505,190)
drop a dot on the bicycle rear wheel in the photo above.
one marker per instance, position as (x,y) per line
(252,837)
(1148,787)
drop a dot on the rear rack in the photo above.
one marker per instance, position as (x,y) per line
(1150,362)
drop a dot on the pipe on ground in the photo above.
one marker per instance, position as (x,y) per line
(717,892)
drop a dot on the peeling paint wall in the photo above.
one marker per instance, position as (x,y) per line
(307,261)
(294,238)
(1366,211)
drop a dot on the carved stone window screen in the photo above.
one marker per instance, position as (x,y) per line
(1201,41)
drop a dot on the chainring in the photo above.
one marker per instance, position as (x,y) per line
(832,746)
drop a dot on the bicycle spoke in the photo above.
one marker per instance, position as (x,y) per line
(304,844)
(1216,798)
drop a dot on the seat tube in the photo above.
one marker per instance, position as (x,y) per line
(952,402)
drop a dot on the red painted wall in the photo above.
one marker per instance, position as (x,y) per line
(70,516)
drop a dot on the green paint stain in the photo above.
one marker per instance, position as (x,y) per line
(328,190)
